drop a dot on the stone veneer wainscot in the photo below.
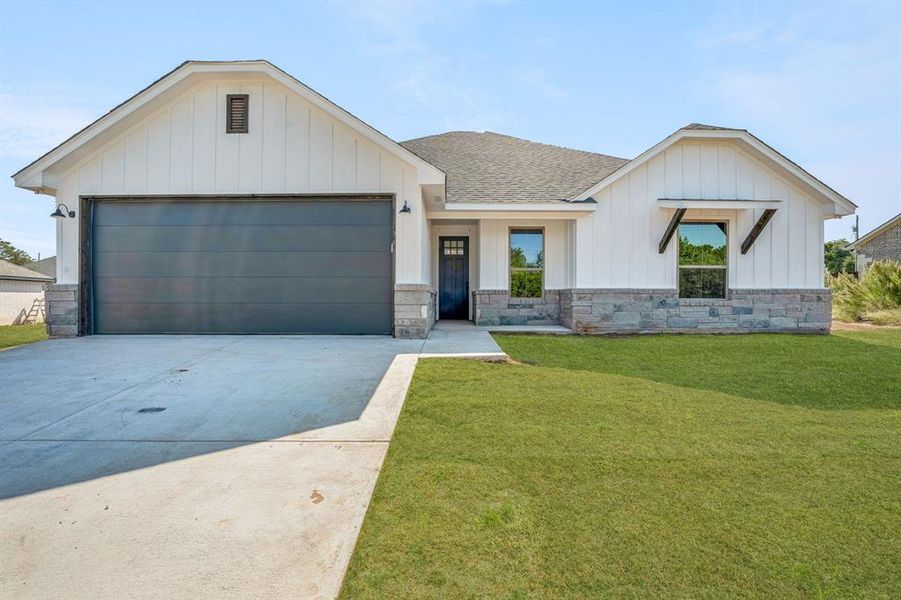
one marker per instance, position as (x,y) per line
(415,310)
(61,304)
(646,310)
(496,307)
(615,310)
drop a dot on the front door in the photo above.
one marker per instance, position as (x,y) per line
(453,278)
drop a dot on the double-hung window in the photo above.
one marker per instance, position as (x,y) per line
(703,251)
(526,263)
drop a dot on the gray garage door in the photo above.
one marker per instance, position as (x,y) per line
(248,266)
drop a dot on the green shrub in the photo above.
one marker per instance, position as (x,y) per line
(877,291)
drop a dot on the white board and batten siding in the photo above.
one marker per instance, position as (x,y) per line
(616,247)
(292,147)
(494,252)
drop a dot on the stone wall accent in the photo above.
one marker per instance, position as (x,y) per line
(61,306)
(415,310)
(496,307)
(661,310)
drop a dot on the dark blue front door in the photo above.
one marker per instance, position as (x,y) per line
(453,278)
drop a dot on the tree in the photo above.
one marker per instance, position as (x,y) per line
(838,258)
(10,253)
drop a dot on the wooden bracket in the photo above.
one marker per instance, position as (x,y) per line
(671,229)
(757,229)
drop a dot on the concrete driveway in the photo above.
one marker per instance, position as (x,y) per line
(195,466)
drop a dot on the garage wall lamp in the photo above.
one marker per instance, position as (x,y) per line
(59,214)
(405,210)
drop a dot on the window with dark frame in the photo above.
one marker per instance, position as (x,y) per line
(526,263)
(453,247)
(237,111)
(703,252)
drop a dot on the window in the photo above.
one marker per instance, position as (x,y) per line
(453,247)
(526,263)
(236,113)
(702,260)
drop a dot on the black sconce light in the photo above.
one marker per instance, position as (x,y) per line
(405,209)
(59,214)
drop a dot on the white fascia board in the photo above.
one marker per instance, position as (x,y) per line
(815,184)
(629,166)
(798,172)
(583,207)
(36,169)
(719,204)
(426,172)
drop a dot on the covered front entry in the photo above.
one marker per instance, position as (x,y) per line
(453,278)
(240,265)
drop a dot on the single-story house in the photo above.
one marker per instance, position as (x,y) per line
(883,243)
(228,197)
(21,294)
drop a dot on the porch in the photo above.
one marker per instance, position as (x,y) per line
(483,257)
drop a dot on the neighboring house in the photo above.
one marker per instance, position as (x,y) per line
(45,266)
(21,294)
(883,243)
(230,197)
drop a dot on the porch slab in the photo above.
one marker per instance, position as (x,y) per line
(470,326)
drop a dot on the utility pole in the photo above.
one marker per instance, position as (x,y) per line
(856,227)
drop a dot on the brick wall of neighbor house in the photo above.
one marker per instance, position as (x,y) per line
(414,310)
(61,305)
(496,307)
(885,246)
(644,310)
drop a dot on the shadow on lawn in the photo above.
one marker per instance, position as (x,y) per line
(820,372)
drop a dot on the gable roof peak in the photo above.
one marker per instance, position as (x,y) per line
(705,127)
(32,176)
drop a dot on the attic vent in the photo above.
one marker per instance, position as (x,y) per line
(236,111)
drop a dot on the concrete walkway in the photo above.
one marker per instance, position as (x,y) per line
(196,466)
(464,326)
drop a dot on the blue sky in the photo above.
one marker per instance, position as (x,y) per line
(821,82)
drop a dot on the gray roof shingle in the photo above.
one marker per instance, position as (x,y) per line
(490,167)
(703,127)
(45,266)
(11,271)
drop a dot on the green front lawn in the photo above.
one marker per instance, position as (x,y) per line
(16,335)
(677,466)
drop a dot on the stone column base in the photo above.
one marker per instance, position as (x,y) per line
(415,310)
(61,306)
(661,310)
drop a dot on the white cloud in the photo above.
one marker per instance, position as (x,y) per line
(828,100)
(428,80)
(535,78)
(35,119)
(440,86)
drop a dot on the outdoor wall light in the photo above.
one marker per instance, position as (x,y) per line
(406,209)
(59,214)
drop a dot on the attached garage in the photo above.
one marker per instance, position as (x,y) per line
(228,197)
(239,265)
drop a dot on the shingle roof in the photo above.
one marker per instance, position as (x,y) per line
(490,167)
(875,233)
(703,127)
(11,271)
(46,266)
